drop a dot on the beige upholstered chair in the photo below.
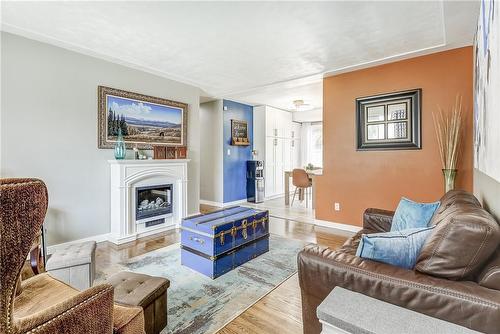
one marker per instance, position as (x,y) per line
(43,304)
(301,181)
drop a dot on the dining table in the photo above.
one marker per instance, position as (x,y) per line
(313,174)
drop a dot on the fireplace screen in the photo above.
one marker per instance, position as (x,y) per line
(153,201)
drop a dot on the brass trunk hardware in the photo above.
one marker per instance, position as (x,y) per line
(244,232)
(244,227)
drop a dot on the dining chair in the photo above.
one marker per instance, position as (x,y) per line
(301,181)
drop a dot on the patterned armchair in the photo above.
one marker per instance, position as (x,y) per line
(42,304)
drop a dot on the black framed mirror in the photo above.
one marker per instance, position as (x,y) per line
(389,121)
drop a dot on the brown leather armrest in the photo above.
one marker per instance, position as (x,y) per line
(461,302)
(377,220)
(90,311)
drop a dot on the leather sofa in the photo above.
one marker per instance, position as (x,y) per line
(456,279)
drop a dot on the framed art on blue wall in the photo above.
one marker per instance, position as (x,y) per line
(143,120)
(239,133)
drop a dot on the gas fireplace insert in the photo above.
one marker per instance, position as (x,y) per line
(152,201)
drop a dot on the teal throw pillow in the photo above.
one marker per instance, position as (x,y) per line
(398,248)
(411,214)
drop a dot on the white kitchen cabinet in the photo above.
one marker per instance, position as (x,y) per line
(282,147)
(295,154)
(269,167)
(278,123)
(279,166)
(271,130)
(295,130)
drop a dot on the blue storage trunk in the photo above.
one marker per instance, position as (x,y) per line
(219,241)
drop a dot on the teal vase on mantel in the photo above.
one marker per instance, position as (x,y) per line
(449,179)
(120,149)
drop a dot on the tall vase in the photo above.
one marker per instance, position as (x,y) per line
(120,149)
(449,179)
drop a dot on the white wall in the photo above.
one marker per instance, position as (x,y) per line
(49,129)
(259,132)
(487,190)
(315,115)
(211,155)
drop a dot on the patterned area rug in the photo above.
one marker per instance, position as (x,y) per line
(198,304)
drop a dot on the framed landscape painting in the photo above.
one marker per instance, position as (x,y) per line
(143,120)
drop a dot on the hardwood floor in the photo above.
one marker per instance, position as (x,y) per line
(298,211)
(279,311)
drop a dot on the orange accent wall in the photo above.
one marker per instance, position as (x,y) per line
(362,179)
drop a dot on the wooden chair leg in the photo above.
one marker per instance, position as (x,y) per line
(35,256)
(293,198)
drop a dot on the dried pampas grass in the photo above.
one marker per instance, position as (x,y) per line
(449,132)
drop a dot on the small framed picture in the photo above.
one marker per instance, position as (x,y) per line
(389,121)
(170,152)
(159,152)
(181,152)
(239,133)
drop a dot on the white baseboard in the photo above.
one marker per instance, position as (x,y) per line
(111,238)
(211,203)
(267,198)
(222,205)
(96,238)
(338,226)
(241,201)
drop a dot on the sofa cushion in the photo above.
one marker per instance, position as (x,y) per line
(41,292)
(490,275)
(398,248)
(410,214)
(465,237)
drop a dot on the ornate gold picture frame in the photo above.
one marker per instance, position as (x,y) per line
(143,120)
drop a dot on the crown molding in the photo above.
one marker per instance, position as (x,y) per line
(130,63)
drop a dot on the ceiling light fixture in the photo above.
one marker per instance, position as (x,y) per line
(300,105)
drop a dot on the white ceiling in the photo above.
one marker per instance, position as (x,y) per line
(260,53)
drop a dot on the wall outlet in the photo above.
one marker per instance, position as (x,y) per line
(228,151)
(337,206)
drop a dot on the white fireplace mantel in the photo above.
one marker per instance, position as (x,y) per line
(125,176)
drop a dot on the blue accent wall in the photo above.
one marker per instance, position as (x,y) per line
(235,165)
